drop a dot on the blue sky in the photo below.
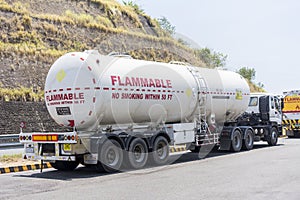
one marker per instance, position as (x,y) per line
(259,34)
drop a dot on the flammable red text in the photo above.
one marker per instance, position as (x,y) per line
(66,96)
(141,82)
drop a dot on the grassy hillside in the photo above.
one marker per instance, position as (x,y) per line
(34,33)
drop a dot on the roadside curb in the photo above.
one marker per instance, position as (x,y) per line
(5,170)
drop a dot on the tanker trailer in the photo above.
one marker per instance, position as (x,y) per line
(122,110)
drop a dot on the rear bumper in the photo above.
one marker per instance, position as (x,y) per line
(41,151)
(48,158)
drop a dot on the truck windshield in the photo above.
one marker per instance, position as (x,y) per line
(253,101)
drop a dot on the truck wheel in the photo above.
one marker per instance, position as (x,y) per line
(111,156)
(65,165)
(137,153)
(195,150)
(160,153)
(236,142)
(290,133)
(272,141)
(248,141)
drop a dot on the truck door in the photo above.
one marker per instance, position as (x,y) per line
(264,108)
(275,110)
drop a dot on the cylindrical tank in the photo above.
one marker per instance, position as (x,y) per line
(86,89)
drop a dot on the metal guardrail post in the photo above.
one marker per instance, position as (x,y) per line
(9,140)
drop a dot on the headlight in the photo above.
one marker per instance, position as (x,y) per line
(261,130)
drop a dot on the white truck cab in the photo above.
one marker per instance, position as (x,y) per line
(266,104)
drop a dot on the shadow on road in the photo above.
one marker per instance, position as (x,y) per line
(90,172)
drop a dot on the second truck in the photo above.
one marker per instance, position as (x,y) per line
(291,113)
(123,110)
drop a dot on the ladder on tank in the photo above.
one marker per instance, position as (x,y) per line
(204,135)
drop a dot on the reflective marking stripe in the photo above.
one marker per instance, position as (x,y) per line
(177,149)
(144,90)
(24,168)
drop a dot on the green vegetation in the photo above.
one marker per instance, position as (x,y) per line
(106,25)
(21,94)
(166,25)
(211,58)
(32,42)
(158,55)
(254,87)
(10,158)
(114,11)
(135,7)
(247,73)
(16,7)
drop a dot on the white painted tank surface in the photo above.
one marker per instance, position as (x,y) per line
(86,89)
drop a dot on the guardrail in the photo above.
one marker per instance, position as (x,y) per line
(9,140)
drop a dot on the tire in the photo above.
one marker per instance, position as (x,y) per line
(236,142)
(65,165)
(111,157)
(272,141)
(290,133)
(248,141)
(195,150)
(161,151)
(137,153)
(296,134)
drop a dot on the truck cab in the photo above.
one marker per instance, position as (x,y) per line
(264,115)
(268,106)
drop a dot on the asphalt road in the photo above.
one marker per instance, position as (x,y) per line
(262,173)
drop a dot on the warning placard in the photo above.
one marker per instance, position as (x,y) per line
(291,104)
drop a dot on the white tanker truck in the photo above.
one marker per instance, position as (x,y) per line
(123,110)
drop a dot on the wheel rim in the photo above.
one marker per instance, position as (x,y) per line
(112,157)
(161,150)
(237,141)
(249,140)
(139,153)
(274,136)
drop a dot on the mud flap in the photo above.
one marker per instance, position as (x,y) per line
(225,138)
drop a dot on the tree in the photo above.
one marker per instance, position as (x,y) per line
(248,73)
(260,84)
(166,25)
(211,58)
(134,6)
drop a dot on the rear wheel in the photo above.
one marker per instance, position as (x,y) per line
(236,142)
(160,153)
(196,149)
(65,165)
(272,141)
(249,140)
(137,153)
(111,156)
